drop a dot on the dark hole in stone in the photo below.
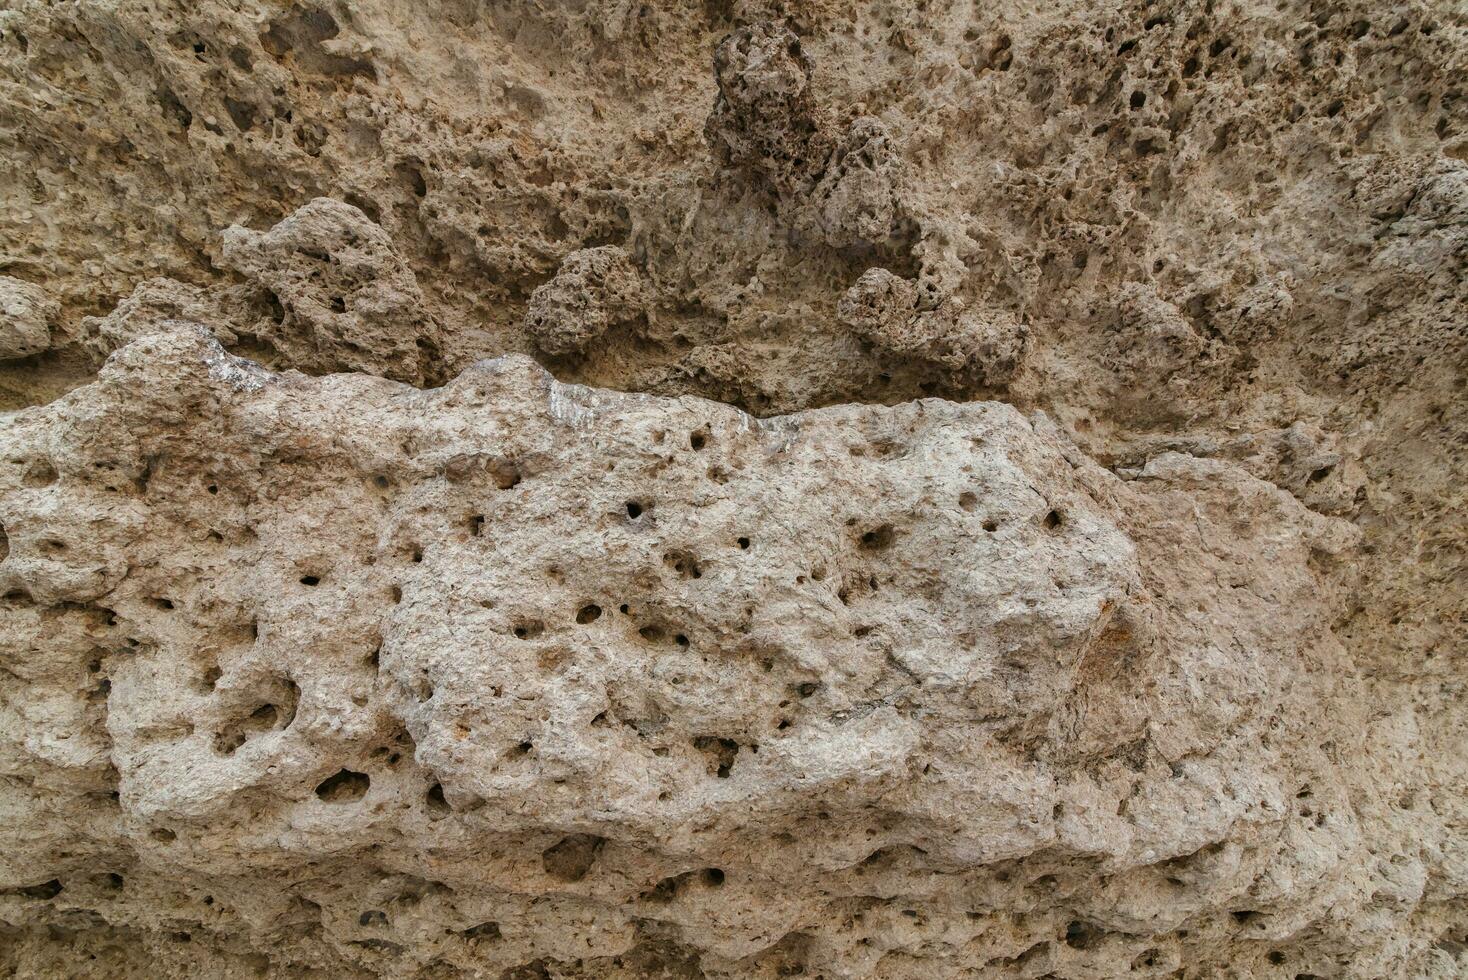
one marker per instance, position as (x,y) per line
(48,889)
(344,787)
(310,580)
(1080,935)
(589,613)
(484,932)
(504,472)
(878,538)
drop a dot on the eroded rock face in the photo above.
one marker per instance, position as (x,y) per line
(513,669)
(26,313)
(1063,579)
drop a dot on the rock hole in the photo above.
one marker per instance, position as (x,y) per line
(372,918)
(1052,520)
(438,807)
(1138,100)
(743,544)
(344,787)
(878,539)
(40,473)
(163,835)
(697,440)
(713,877)
(1275,957)
(634,509)
(529,629)
(721,753)
(1081,935)
(571,858)
(484,932)
(967,500)
(505,473)
(476,526)
(589,613)
(651,634)
(45,890)
(310,579)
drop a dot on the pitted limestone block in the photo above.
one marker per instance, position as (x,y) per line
(349,302)
(514,669)
(26,314)
(594,289)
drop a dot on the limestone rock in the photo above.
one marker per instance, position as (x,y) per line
(885,309)
(348,301)
(26,313)
(594,289)
(1130,336)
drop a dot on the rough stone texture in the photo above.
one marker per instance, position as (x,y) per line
(593,290)
(1129,337)
(26,313)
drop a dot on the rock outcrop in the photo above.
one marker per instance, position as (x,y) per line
(733,490)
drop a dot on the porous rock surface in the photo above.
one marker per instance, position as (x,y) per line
(733,490)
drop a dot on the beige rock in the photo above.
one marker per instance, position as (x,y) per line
(347,300)
(886,310)
(26,313)
(514,669)
(1211,258)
